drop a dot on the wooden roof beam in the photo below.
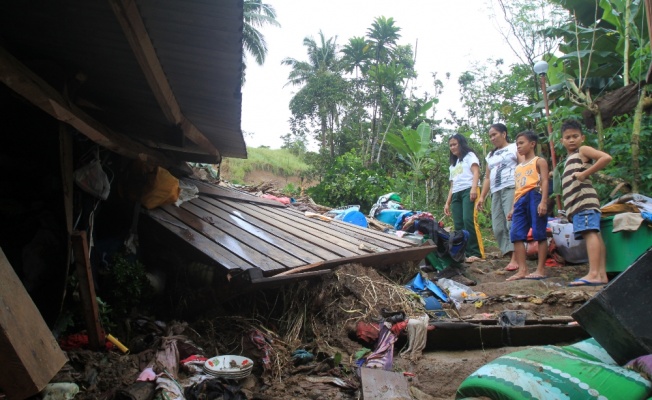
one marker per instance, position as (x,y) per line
(28,84)
(128,15)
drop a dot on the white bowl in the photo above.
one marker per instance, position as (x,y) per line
(228,364)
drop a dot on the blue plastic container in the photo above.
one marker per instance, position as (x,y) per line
(354,217)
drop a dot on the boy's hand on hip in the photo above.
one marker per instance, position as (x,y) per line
(577,176)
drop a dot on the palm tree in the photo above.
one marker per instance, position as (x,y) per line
(256,14)
(321,80)
(356,55)
(383,36)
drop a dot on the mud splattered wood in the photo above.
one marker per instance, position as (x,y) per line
(379,384)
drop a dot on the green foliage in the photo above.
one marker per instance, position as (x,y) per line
(348,181)
(282,162)
(618,145)
(126,286)
(291,190)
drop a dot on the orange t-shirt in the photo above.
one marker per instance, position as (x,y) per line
(526,178)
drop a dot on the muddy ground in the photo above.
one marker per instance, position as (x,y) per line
(319,317)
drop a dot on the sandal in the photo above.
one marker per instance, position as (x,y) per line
(511,267)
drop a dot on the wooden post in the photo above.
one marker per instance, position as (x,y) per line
(29,354)
(96,337)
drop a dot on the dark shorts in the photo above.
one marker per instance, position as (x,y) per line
(586,221)
(526,216)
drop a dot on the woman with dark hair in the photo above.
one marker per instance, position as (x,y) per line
(464,177)
(501,162)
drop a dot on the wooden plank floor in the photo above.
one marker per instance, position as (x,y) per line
(239,233)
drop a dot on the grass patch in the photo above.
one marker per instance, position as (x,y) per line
(280,162)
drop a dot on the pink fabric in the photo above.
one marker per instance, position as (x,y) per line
(147,375)
(284,200)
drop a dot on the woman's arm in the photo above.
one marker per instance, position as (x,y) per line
(447,210)
(485,189)
(475,169)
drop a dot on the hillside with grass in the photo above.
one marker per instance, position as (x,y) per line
(278,166)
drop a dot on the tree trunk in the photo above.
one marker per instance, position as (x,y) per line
(635,140)
(628,12)
(599,127)
(324,131)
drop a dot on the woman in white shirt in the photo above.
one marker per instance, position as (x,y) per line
(499,178)
(464,177)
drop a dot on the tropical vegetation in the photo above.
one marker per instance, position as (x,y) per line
(375,135)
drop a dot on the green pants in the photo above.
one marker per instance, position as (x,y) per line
(465,217)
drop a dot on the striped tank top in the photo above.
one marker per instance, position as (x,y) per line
(578,196)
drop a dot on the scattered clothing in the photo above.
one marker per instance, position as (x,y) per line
(417,329)
(259,340)
(627,222)
(642,365)
(367,332)
(383,355)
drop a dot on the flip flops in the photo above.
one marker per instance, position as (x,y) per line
(535,277)
(530,277)
(511,267)
(584,282)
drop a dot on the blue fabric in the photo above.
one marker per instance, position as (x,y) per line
(525,216)
(646,216)
(418,284)
(400,220)
(586,221)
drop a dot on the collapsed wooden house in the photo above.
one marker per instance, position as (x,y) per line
(127,83)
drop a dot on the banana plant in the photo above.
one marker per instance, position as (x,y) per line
(413,147)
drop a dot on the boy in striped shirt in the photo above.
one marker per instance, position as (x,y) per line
(581,201)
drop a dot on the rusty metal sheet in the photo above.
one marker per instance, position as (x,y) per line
(378,384)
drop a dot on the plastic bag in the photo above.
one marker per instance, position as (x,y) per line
(92,179)
(162,188)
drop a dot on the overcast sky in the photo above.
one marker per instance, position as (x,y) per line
(449,34)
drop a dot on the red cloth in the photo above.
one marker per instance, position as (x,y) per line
(78,341)
(284,200)
(367,332)
(398,327)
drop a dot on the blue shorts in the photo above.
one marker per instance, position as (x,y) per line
(586,221)
(525,216)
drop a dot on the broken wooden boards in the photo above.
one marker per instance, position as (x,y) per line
(29,354)
(380,384)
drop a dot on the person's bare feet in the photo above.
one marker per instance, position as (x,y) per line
(472,259)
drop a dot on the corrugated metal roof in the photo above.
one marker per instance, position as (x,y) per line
(198,44)
(243,232)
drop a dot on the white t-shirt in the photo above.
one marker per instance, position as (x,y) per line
(461,174)
(501,165)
